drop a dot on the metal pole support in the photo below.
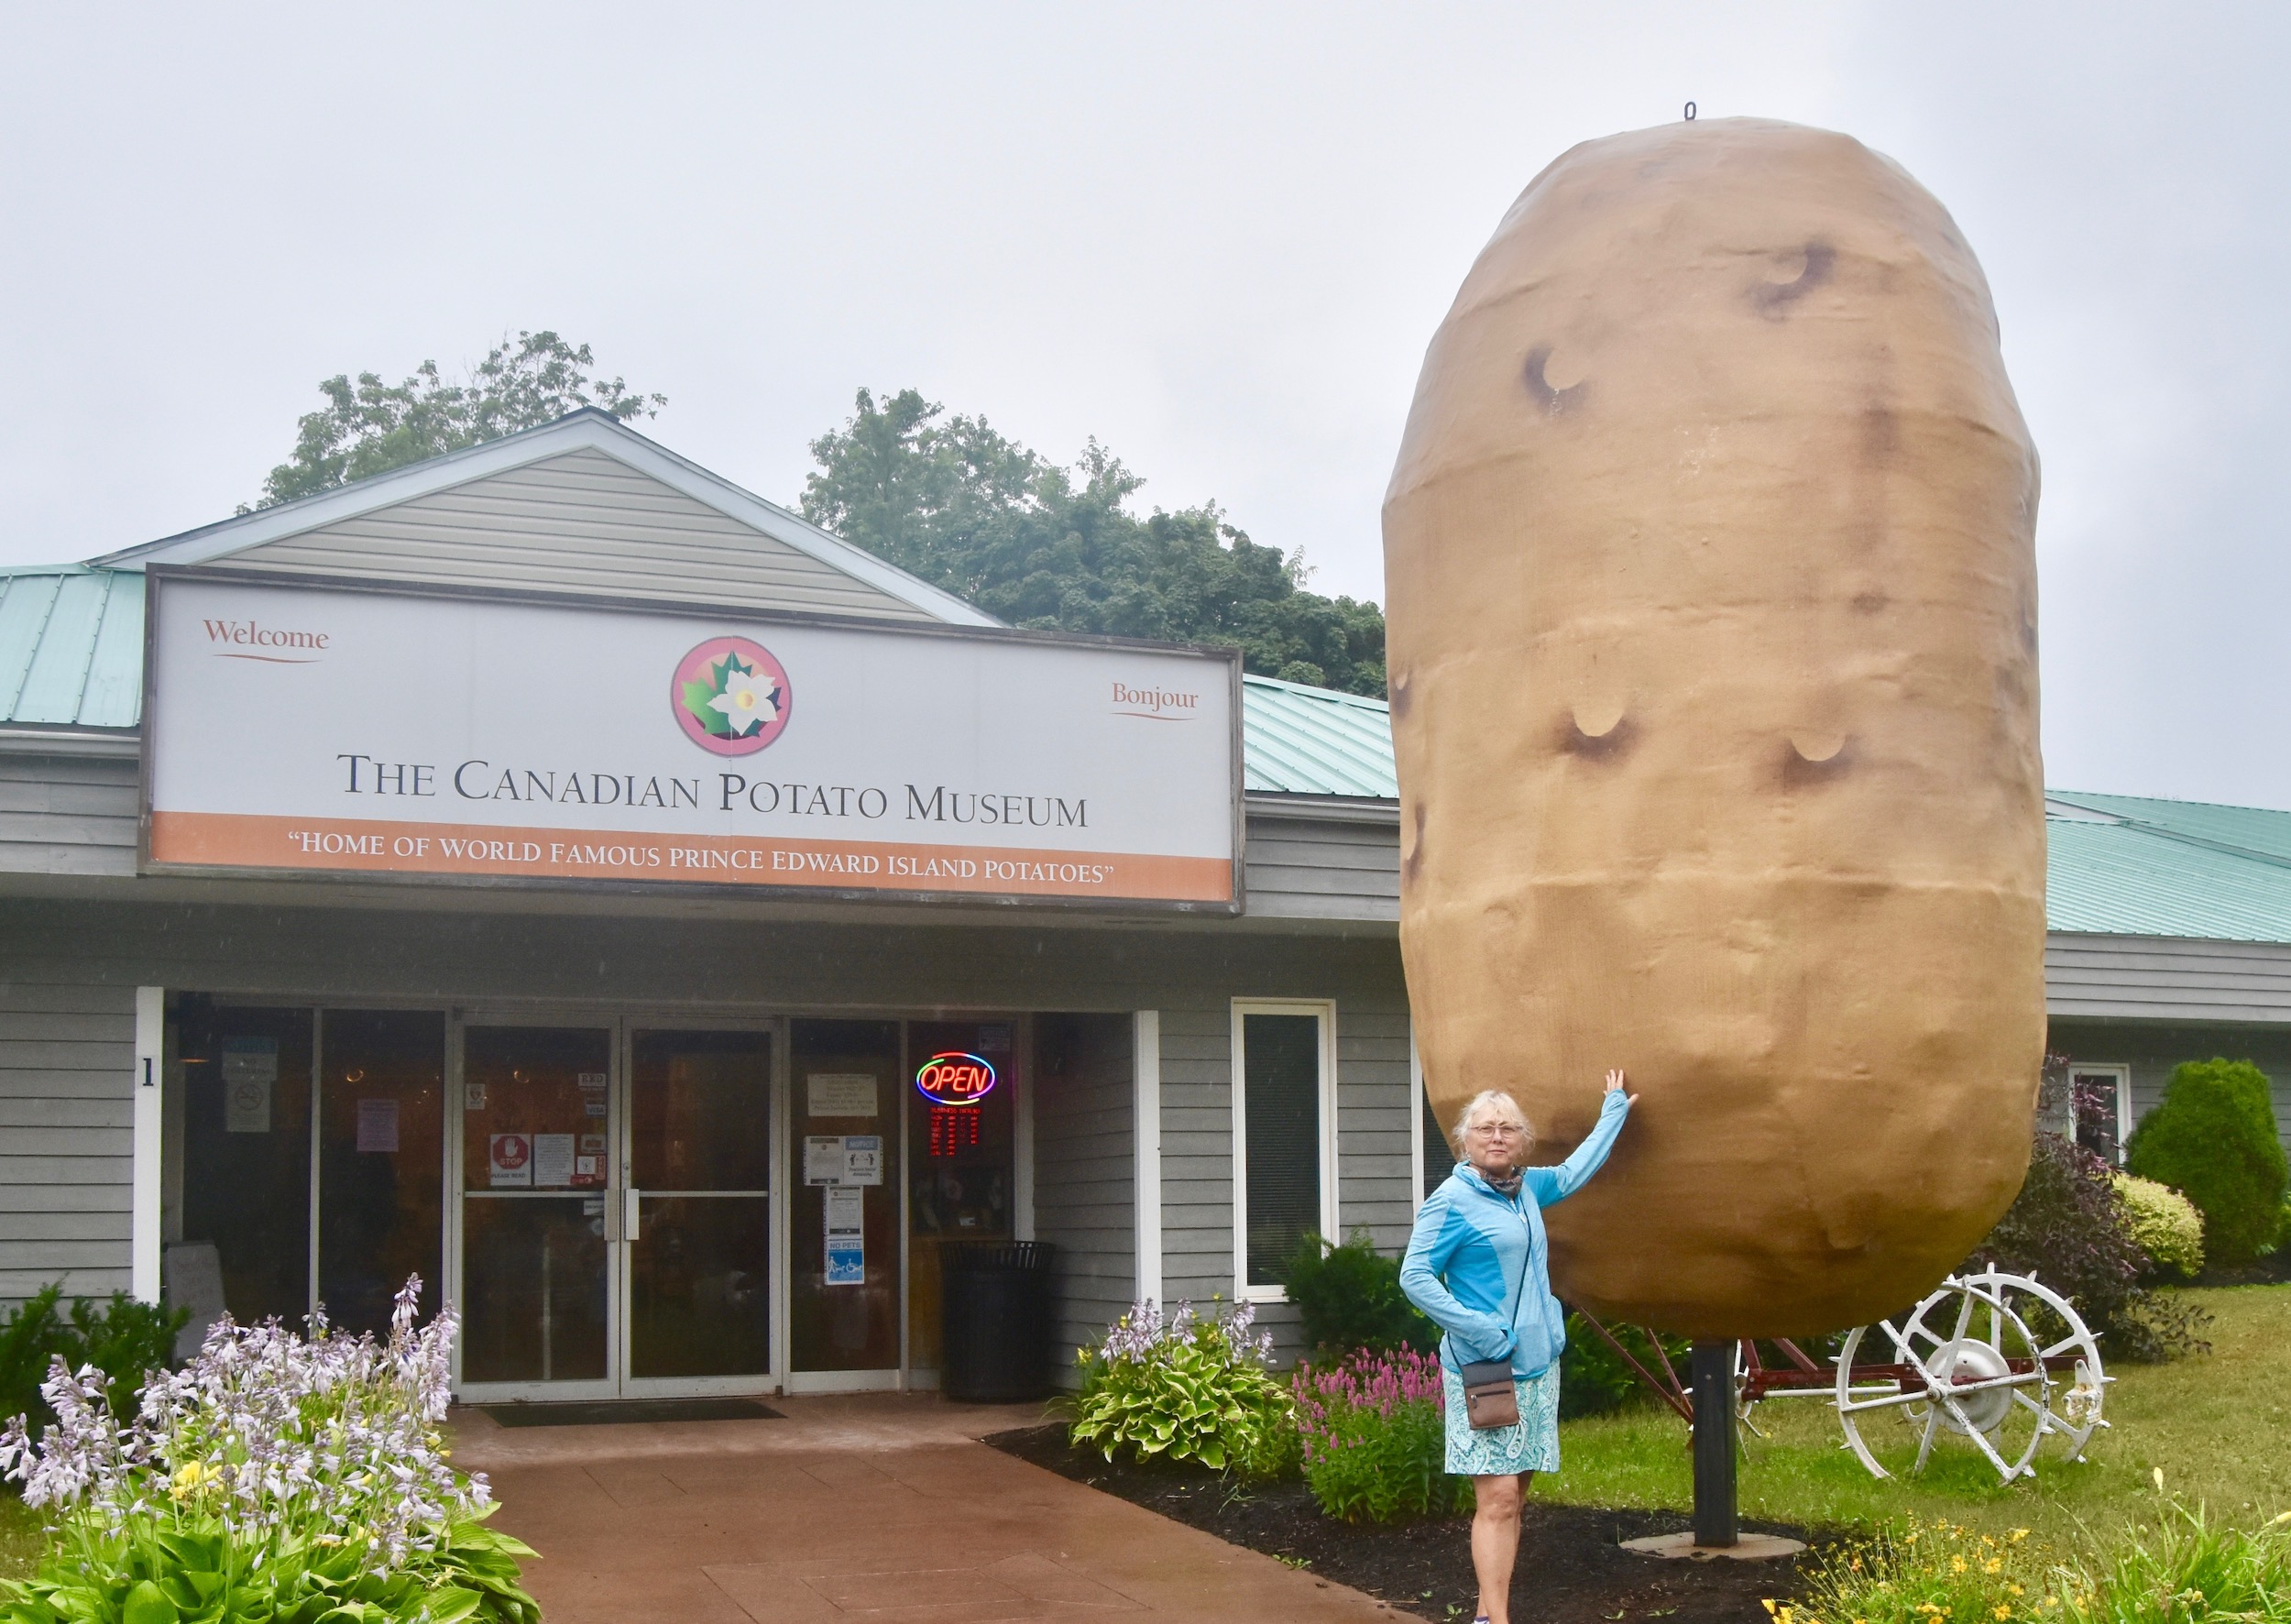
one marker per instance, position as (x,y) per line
(1715,1524)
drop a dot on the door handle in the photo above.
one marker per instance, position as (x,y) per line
(628,1214)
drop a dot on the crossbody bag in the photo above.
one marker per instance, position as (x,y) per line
(1490,1401)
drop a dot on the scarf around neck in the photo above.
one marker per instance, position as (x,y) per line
(1507,1185)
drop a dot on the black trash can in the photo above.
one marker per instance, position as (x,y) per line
(996,1321)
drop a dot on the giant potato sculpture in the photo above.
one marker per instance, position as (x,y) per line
(1713,641)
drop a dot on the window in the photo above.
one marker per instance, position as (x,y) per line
(1284,1109)
(1434,1157)
(2101,1098)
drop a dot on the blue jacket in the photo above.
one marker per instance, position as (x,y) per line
(1473,1246)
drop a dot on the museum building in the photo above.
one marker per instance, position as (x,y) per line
(554,872)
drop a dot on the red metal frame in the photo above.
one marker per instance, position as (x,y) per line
(1801,1374)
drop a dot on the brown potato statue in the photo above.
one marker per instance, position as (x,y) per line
(1713,640)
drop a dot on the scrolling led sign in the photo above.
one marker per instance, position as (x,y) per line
(954,1082)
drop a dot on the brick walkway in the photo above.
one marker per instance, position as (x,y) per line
(874,1507)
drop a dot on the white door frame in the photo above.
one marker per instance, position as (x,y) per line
(1325,1009)
(561,1018)
(775,1196)
(2120,1073)
(620,1024)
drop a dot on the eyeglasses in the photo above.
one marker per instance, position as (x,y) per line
(1509,1130)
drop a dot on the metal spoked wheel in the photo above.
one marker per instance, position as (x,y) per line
(1971,1360)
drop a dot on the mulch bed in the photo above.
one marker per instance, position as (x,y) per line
(1570,1569)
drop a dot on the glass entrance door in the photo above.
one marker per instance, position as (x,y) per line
(538,1273)
(616,1209)
(699,1190)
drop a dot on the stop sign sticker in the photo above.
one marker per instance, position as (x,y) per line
(512,1158)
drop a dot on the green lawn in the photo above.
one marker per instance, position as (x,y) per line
(2219,1425)
(20,1537)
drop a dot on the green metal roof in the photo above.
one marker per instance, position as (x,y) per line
(2133,865)
(2244,830)
(1314,741)
(71,647)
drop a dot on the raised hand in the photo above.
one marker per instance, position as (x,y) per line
(1615,1080)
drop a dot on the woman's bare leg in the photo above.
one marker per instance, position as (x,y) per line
(1495,1542)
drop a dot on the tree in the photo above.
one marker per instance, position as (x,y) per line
(369,427)
(981,516)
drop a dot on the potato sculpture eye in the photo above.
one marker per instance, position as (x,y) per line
(1711,573)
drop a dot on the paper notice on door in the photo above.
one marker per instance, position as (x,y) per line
(837,1160)
(250,1060)
(836,1093)
(247,1107)
(862,1158)
(510,1160)
(250,1068)
(377,1125)
(553,1160)
(847,1237)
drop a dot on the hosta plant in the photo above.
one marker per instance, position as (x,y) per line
(1185,1388)
(275,1478)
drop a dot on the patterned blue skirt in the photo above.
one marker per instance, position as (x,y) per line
(1532,1445)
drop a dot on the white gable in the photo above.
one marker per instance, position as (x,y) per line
(582,506)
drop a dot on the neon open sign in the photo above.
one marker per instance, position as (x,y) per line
(955,1079)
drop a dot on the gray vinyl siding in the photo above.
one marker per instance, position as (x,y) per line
(1197,1242)
(2153,1050)
(1321,869)
(1374,1189)
(582,522)
(68,815)
(2178,980)
(98,952)
(1085,1191)
(1374,1097)
(66,1060)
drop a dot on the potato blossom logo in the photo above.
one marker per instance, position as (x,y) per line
(730,695)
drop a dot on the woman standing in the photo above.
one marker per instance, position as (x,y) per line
(1477,1263)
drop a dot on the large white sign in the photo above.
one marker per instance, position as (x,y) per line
(348,731)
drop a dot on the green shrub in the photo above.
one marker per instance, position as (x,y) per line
(2070,1229)
(1925,1573)
(1350,1297)
(1373,1430)
(2164,1225)
(2213,1139)
(1592,1379)
(1186,1388)
(122,1338)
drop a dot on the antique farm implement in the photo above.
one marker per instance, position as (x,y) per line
(1994,1358)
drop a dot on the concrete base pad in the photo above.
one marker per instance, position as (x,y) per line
(1748,1547)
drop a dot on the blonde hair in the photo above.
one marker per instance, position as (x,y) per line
(1480,1101)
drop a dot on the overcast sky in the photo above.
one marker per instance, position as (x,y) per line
(1217,237)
